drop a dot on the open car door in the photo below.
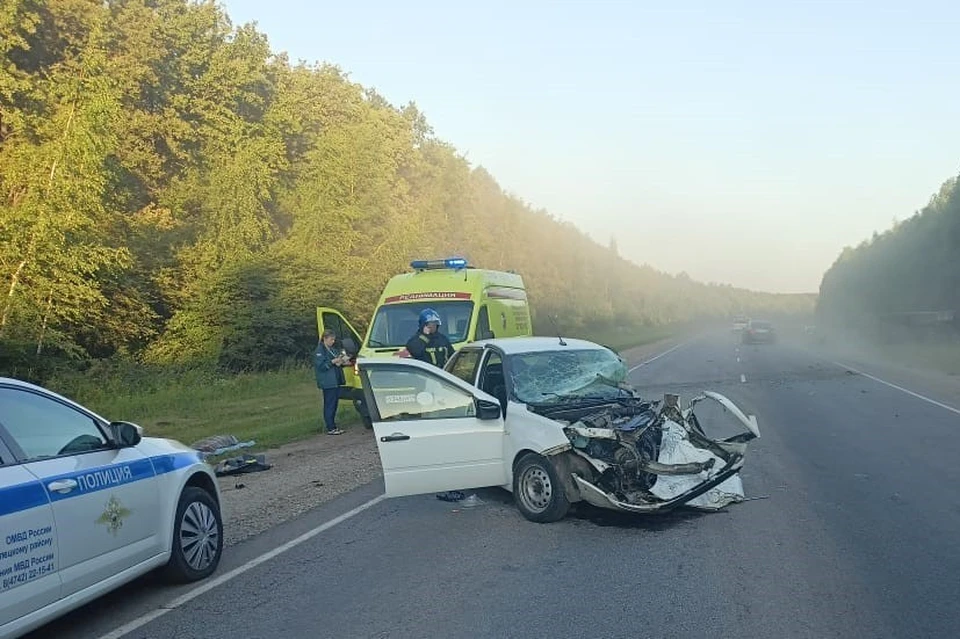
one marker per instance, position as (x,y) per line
(434,431)
(335,321)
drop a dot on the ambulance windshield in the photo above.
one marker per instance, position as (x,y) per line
(394,324)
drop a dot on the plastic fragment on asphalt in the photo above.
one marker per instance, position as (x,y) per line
(472,502)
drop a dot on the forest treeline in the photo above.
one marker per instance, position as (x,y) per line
(912,268)
(173,191)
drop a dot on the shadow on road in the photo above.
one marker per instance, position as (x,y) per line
(584,512)
(651,522)
(146,586)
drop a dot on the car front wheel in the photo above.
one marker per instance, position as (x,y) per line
(537,490)
(197,537)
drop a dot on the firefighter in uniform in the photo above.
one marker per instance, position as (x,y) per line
(429,344)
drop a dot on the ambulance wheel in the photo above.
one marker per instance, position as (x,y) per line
(197,538)
(362,411)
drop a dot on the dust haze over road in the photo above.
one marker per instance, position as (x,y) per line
(846,534)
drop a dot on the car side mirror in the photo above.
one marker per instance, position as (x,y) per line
(350,346)
(126,434)
(488,410)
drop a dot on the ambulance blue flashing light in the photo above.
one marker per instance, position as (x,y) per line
(452,262)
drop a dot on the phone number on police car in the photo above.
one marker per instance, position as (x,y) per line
(28,570)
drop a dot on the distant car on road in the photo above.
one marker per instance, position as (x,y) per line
(759,332)
(87,505)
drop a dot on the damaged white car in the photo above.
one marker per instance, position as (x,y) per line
(552,421)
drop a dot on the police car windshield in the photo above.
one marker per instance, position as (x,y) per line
(563,375)
(394,324)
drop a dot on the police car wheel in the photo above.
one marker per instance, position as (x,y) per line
(197,537)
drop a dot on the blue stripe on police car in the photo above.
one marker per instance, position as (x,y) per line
(20,497)
(13,499)
(174,461)
(96,479)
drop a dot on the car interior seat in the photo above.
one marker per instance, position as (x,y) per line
(495,384)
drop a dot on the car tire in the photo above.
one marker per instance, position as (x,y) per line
(192,559)
(537,490)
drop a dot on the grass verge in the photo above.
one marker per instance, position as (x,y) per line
(272,408)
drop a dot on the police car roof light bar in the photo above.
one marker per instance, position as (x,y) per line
(455,263)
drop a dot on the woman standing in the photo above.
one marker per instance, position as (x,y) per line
(328,367)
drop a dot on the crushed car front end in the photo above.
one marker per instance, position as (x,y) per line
(634,455)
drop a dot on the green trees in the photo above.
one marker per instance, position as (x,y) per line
(172,191)
(913,267)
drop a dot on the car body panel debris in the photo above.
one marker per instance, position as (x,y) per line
(219,444)
(242,465)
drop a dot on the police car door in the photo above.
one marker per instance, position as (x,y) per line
(28,543)
(105,499)
(434,431)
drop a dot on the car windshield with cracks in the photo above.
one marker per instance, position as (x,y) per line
(553,376)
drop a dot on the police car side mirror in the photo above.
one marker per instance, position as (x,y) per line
(488,410)
(126,434)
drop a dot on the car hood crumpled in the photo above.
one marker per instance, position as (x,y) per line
(641,456)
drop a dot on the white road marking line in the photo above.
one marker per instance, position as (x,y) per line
(900,388)
(743,378)
(655,358)
(139,622)
(738,360)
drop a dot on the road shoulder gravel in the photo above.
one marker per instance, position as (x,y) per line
(303,475)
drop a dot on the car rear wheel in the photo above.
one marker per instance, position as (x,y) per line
(197,537)
(537,490)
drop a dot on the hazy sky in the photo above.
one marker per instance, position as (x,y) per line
(742,142)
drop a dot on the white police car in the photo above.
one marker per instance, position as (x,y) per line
(87,505)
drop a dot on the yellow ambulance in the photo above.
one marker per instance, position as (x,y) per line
(473,304)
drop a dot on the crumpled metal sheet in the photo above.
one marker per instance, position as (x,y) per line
(676,448)
(690,468)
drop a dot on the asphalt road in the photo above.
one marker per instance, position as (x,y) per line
(851,532)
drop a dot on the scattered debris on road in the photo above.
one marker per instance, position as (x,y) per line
(471,502)
(303,475)
(242,464)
